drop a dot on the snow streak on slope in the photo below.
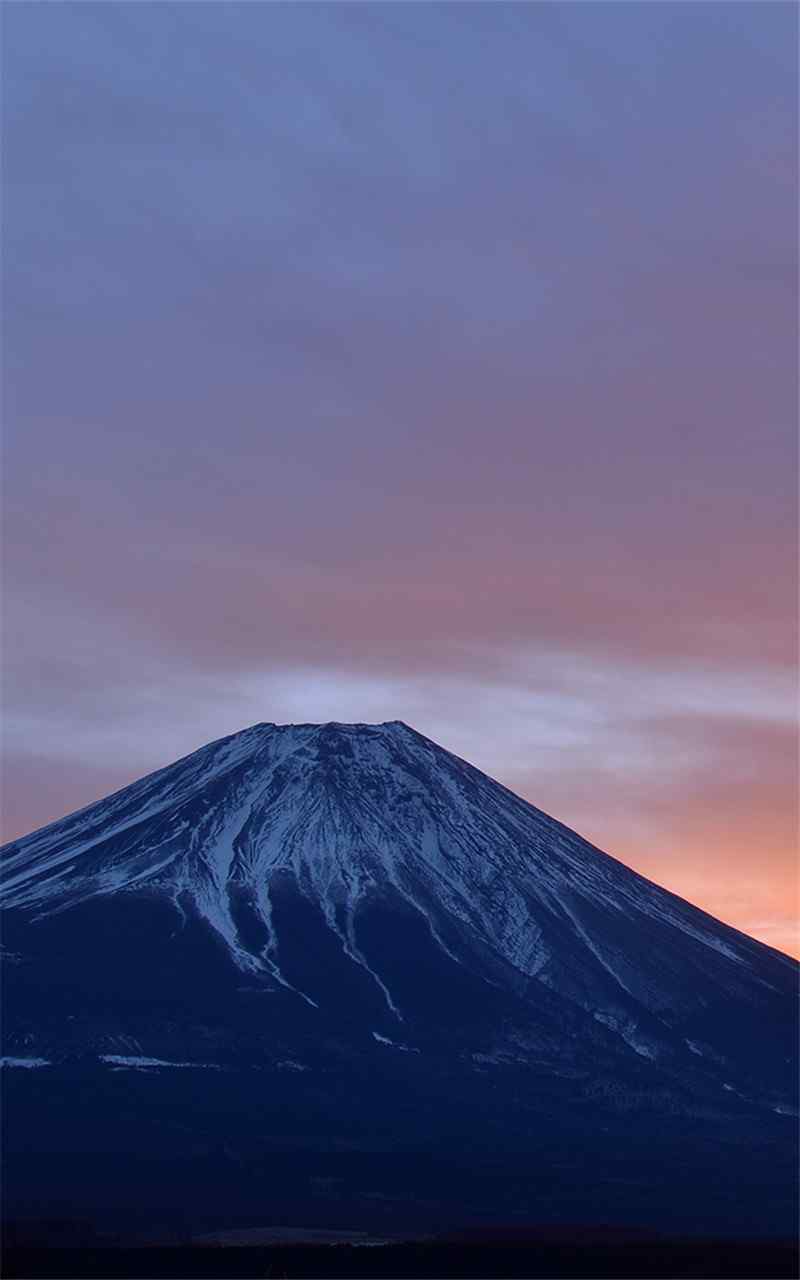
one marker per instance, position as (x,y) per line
(350,814)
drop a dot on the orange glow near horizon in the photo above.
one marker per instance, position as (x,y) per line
(748,878)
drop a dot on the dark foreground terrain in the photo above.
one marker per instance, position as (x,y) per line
(172,1156)
(577,1258)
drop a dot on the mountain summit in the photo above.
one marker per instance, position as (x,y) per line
(353,904)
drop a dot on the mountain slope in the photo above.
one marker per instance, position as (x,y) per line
(325,901)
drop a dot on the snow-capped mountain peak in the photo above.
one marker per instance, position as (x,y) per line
(358,814)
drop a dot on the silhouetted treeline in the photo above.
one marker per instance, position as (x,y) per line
(546,1259)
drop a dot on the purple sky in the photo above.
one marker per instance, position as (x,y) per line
(433,362)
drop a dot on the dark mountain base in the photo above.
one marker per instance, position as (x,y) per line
(173,1156)
(561,1259)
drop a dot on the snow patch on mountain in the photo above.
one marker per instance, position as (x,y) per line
(139,1062)
(27,1063)
(629,1032)
(393,1044)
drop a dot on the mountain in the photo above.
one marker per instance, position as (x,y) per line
(307,960)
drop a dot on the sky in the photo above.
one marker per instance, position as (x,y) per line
(432,362)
